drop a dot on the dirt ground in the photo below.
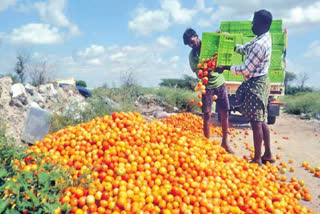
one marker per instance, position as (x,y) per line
(291,138)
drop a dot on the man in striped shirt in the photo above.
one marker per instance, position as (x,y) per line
(252,95)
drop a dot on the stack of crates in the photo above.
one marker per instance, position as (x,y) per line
(244,30)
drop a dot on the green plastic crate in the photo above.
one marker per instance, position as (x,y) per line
(278,38)
(278,48)
(209,44)
(246,25)
(276,60)
(226,49)
(246,39)
(226,75)
(236,59)
(247,33)
(276,26)
(276,75)
(235,25)
(224,26)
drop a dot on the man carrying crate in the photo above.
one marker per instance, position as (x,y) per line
(252,95)
(216,86)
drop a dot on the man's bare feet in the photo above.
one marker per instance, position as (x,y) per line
(256,161)
(267,158)
(227,148)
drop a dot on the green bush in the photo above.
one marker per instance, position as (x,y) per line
(81,83)
(304,102)
(292,90)
(29,190)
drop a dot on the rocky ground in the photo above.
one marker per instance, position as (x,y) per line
(17,99)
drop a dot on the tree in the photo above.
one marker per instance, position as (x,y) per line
(81,83)
(20,68)
(39,74)
(187,82)
(290,76)
(127,79)
(303,77)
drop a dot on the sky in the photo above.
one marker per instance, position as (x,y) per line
(102,41)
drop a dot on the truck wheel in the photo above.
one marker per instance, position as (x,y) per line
(271,120)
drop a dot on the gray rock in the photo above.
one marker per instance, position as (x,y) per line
(18,90)
(48,89)
(37,98)
(33,105)
(5,88)
(161,114)
(111,103)
(30,88)
(61,94)
(36,125)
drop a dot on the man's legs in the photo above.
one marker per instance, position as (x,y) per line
(225,126)
(257,140)
(206,124)
(266,138)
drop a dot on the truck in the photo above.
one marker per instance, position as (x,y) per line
(239,32)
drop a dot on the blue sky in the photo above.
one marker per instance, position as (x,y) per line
(99,41)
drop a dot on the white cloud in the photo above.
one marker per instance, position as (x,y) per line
(117,56)
(34,33)
(179,15)
(92,51)
(5,4)
(204,23)
(148,63)
(52,12)
(147,22)
(200,5)
(313,49)
(171,12)
(297,15)
(137,49)
(94,62)
(166,41)
(304,17)
(174,59)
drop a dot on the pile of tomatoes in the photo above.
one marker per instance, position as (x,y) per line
(160,168)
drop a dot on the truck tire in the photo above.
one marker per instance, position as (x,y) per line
(271,120)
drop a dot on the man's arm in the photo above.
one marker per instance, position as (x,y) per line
(193,62)
(255,57)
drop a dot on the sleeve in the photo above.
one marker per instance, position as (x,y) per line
(193,61)
(240,49)
(254,58)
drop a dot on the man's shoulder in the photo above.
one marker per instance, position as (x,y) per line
(192,53)
(262,43)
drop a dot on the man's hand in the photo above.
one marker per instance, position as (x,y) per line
(221,68)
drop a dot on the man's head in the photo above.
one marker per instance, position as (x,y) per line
(190,37)
(261,22)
